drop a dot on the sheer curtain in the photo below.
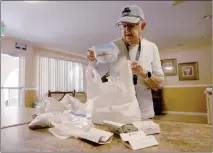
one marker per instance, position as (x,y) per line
(59,75)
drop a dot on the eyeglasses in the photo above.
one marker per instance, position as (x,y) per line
(124,26)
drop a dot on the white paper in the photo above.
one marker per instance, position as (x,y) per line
(149,127)
(141,142)
(97,136)
(132,135)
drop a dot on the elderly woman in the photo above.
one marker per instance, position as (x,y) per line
(144,55)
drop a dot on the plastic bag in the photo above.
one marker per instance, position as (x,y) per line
(114,100)
(106,53)
(71,103)
(70,113)
(58,133)
(112,91)
(72,123)
(49,104)
(41,121)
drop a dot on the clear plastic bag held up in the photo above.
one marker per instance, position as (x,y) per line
(114,100)
(106,53)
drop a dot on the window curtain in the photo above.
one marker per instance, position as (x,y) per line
(59,75)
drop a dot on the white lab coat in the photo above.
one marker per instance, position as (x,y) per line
(149,60)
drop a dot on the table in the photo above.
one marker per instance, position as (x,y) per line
(11,116)
(174,137)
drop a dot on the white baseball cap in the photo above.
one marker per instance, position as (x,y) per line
(132,14)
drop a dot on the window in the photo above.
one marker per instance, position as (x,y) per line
(59,75)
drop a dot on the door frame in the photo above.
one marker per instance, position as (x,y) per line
(21,80)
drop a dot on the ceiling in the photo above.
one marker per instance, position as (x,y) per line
(74,26)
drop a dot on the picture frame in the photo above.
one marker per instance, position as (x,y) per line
(188,71)
(169,66)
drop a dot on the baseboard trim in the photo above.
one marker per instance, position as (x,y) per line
(189,86)
(185,113)
(26,89)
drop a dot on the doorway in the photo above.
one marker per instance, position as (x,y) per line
(12,80)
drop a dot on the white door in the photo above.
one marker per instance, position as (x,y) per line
(12,80)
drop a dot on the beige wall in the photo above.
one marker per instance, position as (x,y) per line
(60,55)
(194,53)
(188,96)
(184,99)
(30,96)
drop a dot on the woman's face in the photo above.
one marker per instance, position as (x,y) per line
(131,32)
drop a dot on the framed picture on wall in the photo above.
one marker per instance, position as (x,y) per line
(188,71)
(169,66)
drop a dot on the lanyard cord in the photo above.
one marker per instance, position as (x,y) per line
(138,52)
(135,77)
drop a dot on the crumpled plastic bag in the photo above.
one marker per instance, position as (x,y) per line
(72,123)
(67,119)
(69,113)
(41,121)
(58,133)
(49,104)
(71,103)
